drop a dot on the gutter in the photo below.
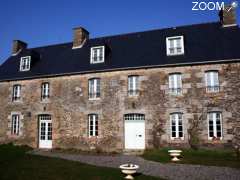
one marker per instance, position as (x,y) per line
(122,69)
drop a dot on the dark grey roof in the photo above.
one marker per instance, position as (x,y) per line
(204,43)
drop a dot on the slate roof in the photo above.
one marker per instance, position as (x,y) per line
(204,43)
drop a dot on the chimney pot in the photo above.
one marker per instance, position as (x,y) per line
(80,36)
(18,46)
(228,16)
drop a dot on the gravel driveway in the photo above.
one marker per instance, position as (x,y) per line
(167,171)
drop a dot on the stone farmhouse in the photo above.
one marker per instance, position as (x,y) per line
(168,87)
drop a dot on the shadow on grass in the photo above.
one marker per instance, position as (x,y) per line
(16,164)
(226,158)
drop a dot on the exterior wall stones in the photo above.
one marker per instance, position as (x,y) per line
(69,107)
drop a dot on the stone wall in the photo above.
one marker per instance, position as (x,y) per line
(69,106)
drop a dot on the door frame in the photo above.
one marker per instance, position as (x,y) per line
(38,131)
(124,131)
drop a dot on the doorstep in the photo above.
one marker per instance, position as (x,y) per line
(133,151)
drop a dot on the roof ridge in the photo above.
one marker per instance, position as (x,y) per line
(159,29)
(60,44)
(125,34)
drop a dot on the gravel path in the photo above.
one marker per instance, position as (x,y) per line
(168,171)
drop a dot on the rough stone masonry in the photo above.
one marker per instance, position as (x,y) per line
(69,107)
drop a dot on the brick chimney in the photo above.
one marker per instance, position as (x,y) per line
(18,46)
(228,16)
(80,36)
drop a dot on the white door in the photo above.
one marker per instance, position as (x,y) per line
(134,131)
(45,131)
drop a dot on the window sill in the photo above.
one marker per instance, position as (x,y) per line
(176,139)
(178,54)
(45,101)
(17,102)
(218,140)
(93,137)
(212,92)
(175,94)
(21,70)
(97,62)
(14,136)
(133,96)
(94,99)
(212,89)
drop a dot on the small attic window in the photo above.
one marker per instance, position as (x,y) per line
(97,54)
(25,63)
(175,45)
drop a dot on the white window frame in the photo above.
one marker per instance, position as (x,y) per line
(176,125)
(175,83)
(25,62)
(211,85)
(93,61)
(215,125)
(15,124)
(95,123)
(93,93)
(45,90)
(168,39)
(133,85)
(16,92)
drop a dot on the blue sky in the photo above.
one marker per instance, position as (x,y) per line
(45,22)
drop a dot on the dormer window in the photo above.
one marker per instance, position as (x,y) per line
(97,54)
(25,63)
(175,45)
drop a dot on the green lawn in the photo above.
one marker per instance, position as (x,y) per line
(16,164)
(202,157)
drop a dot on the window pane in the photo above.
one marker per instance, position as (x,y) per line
(210,127)
(215,79)
(173,128)
(171,43)
(91,122)
(180,128)
(91,88)
(180,134)
(173,122)
(218,116)
(219,134)
(98,87)
(173,134)
(178,42)
(179,81)
(43,129)
(91,133)
(208,79)
(171,81)
(49,131)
